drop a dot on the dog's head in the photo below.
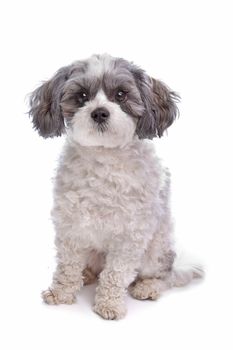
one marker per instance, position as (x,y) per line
(103,101)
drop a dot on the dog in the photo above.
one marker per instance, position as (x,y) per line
(111,208)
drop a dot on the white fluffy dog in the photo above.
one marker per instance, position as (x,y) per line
(111,197)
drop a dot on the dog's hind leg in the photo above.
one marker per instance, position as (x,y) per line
(151,287)
(157,262)
(161,270)
(147,288)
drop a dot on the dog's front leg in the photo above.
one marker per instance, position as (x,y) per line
(119,272)
(67,279)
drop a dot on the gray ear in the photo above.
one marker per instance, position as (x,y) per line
(45,105)
(160,107)
(165,107)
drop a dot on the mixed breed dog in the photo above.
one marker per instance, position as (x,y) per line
(111,208)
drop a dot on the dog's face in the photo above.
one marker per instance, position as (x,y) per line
(103,101)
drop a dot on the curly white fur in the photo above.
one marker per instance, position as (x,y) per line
(112,209)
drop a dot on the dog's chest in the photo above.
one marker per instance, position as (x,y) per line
(109,191)
(109,178)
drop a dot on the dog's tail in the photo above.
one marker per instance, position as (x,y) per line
(184,271)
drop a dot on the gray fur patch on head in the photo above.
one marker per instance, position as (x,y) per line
(121,78)
(69,101)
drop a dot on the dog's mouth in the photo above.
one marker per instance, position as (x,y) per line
(102,127)
(99,129)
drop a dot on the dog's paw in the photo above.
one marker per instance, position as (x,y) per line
(110,312)
(55,297)
(143,290)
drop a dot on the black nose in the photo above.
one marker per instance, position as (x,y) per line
(100,115)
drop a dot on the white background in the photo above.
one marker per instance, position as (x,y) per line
(188,44)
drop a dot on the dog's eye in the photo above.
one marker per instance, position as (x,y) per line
(82,97)
(121,96)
